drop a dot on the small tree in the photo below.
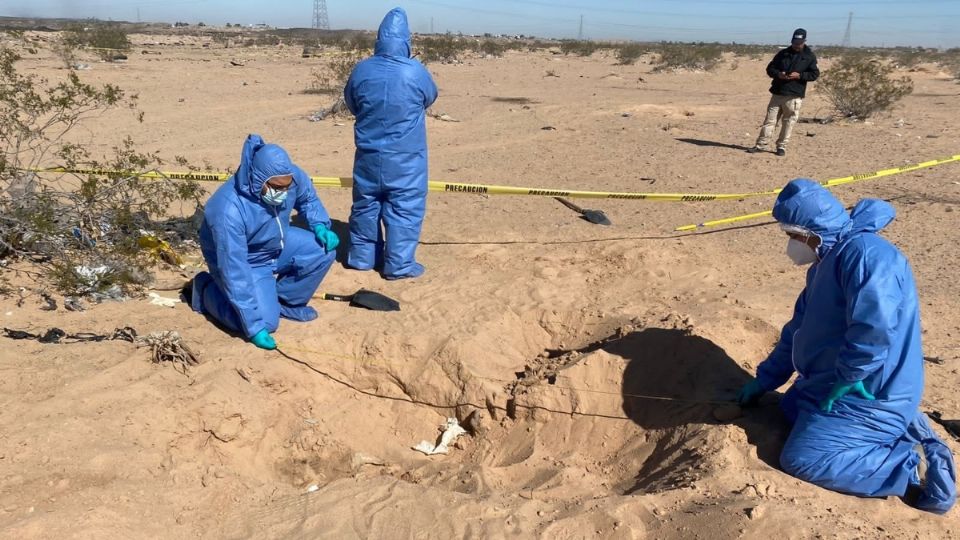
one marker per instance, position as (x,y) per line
(858,88)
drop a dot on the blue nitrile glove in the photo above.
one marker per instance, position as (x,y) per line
(264,340)
(750,393)
(842,388)
(327,238)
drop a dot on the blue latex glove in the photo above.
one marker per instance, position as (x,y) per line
(750,393)
(327,238)
(842,388)
(264,340)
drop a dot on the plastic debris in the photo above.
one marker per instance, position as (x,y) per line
(158,300)
(451,430)
(159,249)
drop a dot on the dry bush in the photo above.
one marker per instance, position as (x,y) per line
(107,40)
(694,56)
(629,53)
(492,47)
(332,76)
(82,229)
(861,88)
(579,47)
(442,48)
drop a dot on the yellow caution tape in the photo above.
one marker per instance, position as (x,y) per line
(828,184)
(490,189)
(451,187)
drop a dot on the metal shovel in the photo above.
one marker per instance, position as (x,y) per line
(593,216)
(365,299)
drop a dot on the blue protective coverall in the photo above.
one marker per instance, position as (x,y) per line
(261,268)
(389,94)
(856,320)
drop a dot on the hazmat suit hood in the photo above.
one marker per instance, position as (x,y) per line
(258,163)
(393,37)
(807,205)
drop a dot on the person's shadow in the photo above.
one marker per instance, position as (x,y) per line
(701,142)
(673,381)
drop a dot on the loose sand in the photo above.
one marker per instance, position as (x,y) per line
(97,442)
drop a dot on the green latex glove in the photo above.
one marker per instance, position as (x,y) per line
(327,238)
(842,388)
(750,393)
(264,340)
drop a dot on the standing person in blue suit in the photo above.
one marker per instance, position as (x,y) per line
(389,94)
(854,343)
(261,268)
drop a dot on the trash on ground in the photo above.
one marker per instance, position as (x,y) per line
(158,300)
(451,430)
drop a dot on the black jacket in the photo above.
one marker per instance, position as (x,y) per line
(787,61)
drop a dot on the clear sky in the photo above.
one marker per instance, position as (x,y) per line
(875,22)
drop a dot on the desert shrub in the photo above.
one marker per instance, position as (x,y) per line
(492,47)
(696,56)
(105,39)
(860,89)
(629,53)
(331,77)
(579,47)
(441,49)
(82,228)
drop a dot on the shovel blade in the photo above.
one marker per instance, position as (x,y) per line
(374,300)
(596,216)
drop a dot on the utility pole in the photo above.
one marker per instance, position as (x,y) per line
(320,20)
(580,32)
(138,14)
(431,25)
(846,35)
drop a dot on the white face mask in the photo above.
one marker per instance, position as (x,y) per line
(274,197)
(800,253)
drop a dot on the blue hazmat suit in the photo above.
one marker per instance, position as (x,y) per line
(856,320)
(389,94)
(261,268)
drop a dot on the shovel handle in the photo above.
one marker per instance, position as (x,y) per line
(338,297)
(569,204)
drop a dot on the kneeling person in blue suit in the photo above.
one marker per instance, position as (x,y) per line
(854,343)
(261,268)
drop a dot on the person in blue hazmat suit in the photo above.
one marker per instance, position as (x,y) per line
(854,344)
(261,268)
(389,94)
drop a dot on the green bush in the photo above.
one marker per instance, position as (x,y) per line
(66,222)
(695,56)
(861,88)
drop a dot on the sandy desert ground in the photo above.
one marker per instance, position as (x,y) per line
(97,442)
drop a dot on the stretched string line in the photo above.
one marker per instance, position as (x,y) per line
(503,381)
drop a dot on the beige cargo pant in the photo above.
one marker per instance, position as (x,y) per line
(783,108)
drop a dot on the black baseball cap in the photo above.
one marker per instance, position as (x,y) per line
(799,34)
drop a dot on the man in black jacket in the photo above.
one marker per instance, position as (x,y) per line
(791,69)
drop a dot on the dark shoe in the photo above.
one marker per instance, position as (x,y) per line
(754,150)
(781,152)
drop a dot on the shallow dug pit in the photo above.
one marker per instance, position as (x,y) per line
(630,413)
